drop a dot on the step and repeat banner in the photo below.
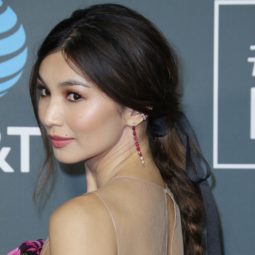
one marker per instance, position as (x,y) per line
(215,43)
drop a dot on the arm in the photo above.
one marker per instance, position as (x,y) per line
(82,226)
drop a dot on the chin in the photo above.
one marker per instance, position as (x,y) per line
(67,159)
(64,161)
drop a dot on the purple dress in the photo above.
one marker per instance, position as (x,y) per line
(32,247)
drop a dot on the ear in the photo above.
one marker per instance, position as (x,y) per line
(133,117)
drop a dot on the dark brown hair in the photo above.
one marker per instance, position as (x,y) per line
(130,60)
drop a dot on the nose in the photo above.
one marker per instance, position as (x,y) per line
(51,113)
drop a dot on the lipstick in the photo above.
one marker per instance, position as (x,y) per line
(60,142)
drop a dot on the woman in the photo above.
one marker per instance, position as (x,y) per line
(105,91)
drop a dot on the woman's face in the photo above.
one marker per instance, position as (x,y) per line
(82,122)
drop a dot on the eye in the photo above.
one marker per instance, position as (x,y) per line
(43,90)
(73,97)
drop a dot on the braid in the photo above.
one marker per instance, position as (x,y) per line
(169,156)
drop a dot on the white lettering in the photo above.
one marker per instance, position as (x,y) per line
(4,152)
(252,131)
(24,133)
(252,60)
(252,113)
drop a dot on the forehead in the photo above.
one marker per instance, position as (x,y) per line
(56,69)
(55,66)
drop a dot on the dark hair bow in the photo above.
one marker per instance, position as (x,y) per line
(158,127)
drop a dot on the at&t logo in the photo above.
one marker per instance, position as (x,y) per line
(23,134)
(13,49)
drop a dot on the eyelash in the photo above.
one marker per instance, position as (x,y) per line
(74,95)
(42,89)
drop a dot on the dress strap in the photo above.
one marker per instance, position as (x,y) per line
(170,194)
(167,192)
(45,246)
(112,218)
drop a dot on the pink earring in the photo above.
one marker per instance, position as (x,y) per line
(138,149)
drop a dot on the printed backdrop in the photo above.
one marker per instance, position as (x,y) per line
(216,46)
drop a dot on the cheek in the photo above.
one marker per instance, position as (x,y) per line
(97,119)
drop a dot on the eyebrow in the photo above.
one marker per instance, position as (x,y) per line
(66,83)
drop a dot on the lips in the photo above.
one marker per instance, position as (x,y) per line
(60,142)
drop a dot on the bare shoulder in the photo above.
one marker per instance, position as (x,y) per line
(81,225)
(82,207)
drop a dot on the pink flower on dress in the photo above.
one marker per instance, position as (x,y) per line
(14,252)
(33,247)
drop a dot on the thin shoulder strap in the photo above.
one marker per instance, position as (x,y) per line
(112,218)
(169,193)
(45,246)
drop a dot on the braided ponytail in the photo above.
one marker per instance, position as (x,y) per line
(169,155)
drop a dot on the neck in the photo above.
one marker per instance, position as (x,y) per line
(120,160)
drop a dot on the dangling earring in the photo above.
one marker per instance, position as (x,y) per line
(138,149)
